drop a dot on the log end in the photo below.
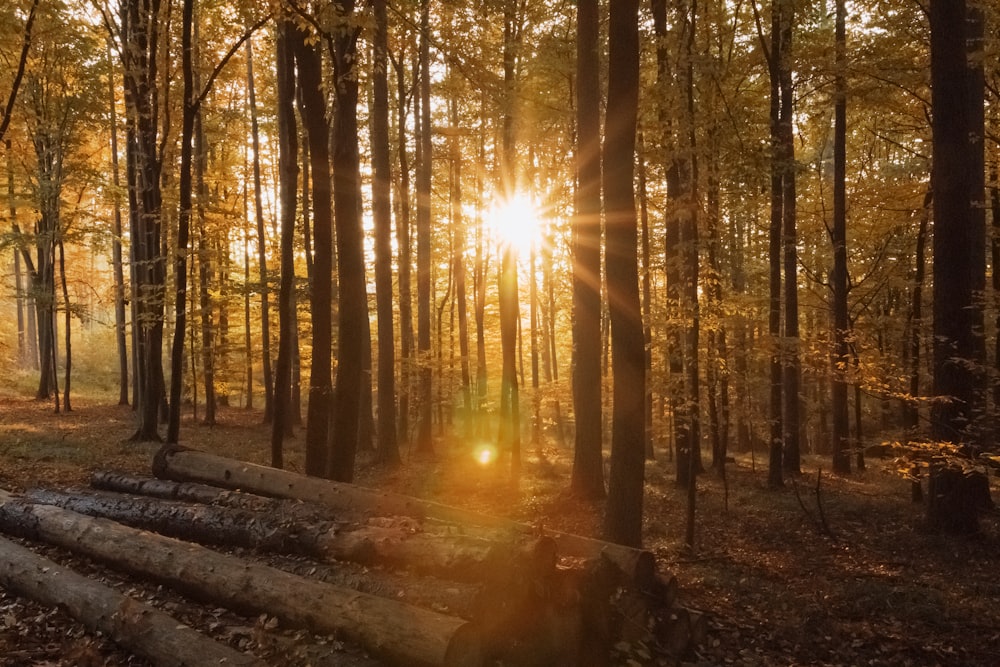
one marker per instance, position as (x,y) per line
(465,648)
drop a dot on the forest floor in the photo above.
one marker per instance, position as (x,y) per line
(878,590)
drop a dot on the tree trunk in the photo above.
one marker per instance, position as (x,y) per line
(116,250)
(403,241)
(775,473)
(397,631)
(840,361)
(288,178)
(792,371)
(353,339)
(388,447)
(588,465)
(424,171)
(265,311)
(307,58)
(129,623)
(955,262)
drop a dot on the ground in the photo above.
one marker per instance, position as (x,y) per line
(877,590)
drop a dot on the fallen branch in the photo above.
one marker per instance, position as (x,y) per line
(129,623)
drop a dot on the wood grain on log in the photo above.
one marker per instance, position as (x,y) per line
(129,623)
(396,631)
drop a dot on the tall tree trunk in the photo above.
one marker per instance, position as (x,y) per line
(205,258)
(775,476)
(67,320)
(458,266)
(841,437)
(404,243)
(956,264)
(116,250)
(307,58)
(183,224)
(646,276)
(424,171)
(353,328)
(288,181)
(588,466)
(623,518)
(265,310)
(140,21)
(792,371)
(915,318)
(388,449)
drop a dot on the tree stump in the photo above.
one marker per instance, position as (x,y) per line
(956,498)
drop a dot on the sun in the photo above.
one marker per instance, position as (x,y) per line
(515,222)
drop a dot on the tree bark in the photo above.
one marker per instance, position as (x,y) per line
(588,465)
(424,173)
(129,623)
(623,518)
(387,447)
(309,64)
(397,631)
(394,544)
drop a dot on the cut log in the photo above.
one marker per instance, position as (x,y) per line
(397,544)
(181,464)
(131,624)
(397,632)
(209,495)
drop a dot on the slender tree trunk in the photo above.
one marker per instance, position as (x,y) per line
(353,328)
(321,369)
(67,319)
(116,250)
(792,370)
(588,466)
(288,179)
(205,259)
(388,448)
(265,314)
(404,243)
(841,442)
(775,414)
(424,171)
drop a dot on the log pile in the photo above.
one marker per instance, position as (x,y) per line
(536,599)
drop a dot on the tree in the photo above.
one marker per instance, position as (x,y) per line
(588,466)
(288,177)
(957,262)
(313,105)
(388,449)
(352,330)
(838,235)
(623,518)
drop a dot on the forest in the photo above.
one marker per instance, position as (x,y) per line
(620,251)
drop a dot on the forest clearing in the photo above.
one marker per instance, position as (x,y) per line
(776,590)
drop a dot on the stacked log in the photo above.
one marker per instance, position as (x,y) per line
(542,598)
